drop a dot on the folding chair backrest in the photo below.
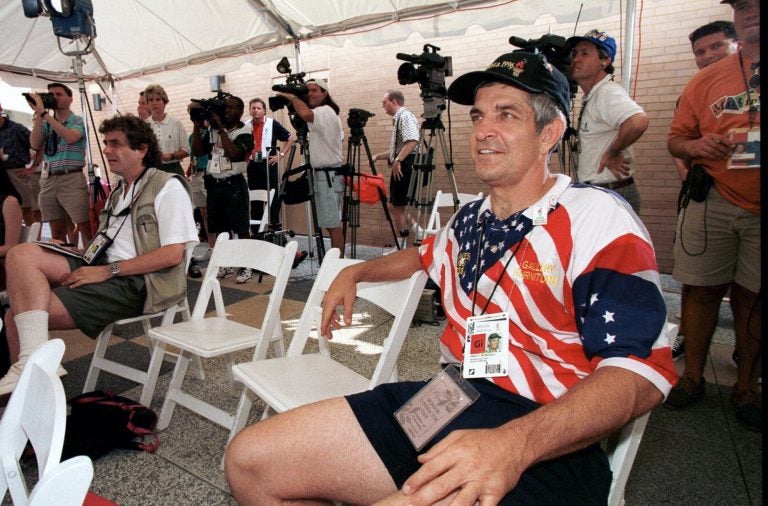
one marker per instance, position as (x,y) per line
(30,233)
(622,446)
(446,200)
(266,199)
(254,254)
(36,412)
(397,298)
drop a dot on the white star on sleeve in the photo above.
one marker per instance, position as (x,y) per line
(593,299)
(608,317)
(610,339)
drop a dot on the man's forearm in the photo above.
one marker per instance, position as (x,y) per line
(629,132)
(597,406)
(398,265)
(70,135)
(153,261)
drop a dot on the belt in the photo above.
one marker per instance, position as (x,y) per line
(62,172)
(227,180)
(615,185)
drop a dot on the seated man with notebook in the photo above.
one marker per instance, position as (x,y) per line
(134,264)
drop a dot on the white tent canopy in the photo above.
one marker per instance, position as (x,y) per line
(168,41)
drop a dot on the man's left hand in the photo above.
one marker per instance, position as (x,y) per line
(474,466)
(616,163)
(397,170)
(87,275)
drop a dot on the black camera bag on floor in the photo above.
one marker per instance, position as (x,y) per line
(100,422)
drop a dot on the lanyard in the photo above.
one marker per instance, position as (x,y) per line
(477,271)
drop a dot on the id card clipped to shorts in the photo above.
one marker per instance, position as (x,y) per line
(435,406)
(486,346)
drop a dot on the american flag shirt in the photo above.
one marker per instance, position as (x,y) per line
(582,291)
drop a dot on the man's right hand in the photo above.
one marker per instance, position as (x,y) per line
(342,292)
(710,146)
(38,103)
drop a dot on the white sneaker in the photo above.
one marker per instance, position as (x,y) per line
(244,276)
(224,272)
(8,382)
(205,256)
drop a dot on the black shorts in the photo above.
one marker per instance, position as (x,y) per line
(583,477)
(96,305)
(228,205)
(398,190)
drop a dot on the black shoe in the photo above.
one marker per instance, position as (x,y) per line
(685,393)
(678,347)
(746,405)
(194,270)
(299,258)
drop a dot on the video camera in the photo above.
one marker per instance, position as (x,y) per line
(49,102)
(430,75)
(209,106)
(356,121)
(294,84)
(554,49)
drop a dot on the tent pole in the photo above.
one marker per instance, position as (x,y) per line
(629,45)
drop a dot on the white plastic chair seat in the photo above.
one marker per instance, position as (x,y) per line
(195,336)
(282,382)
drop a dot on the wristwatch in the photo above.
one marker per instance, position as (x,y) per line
(114,268)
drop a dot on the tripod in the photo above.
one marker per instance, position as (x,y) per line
(303,143)
(420,186)
(351,206)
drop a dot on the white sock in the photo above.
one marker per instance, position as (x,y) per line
(33,331)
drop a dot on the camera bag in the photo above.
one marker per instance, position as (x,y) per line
(295,191)
(699,183)
(368,189)
(100,422)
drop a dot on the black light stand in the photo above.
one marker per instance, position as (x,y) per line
(351,208)
(420,186)
(303,143)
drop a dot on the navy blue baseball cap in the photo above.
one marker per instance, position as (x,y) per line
(601,39)
(527,71)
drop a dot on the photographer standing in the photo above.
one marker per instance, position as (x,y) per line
(227,191)
(263,162)
(403,147)
(325,137)
(63,188)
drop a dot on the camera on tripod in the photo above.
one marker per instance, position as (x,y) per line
(209,106)
(554,49)
(49,102)
(430,75)
(294,84)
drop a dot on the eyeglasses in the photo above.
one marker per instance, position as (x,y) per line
(596,34)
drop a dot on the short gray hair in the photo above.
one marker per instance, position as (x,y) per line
(545,111)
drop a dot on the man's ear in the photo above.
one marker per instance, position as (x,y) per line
(552,133)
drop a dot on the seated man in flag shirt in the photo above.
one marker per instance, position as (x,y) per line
(570,272)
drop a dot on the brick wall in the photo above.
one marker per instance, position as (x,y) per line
(359,76)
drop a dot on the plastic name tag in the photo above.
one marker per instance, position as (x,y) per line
(44,169)
(96,248)
(486,346)
(746,148)
(435,405)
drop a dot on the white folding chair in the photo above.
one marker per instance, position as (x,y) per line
(300,378)
(266,199)
(30,233)
(621,447)
(446,200)
(216,336)
(37,412)
(148,378)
